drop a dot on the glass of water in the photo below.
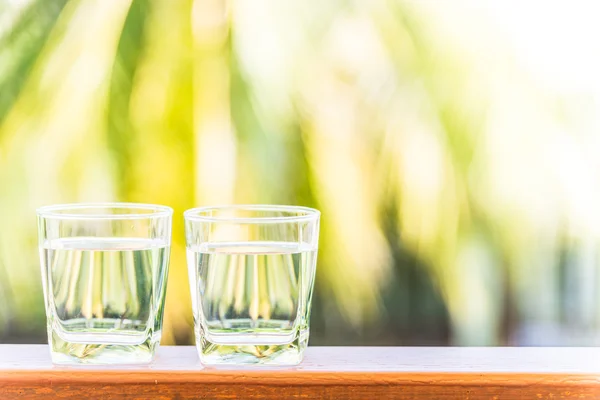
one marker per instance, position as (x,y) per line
(104,274)
(252,271)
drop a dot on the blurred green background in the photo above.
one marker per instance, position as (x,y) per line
(452,147)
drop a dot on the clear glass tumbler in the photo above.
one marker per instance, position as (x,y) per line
(252,271)
(104,273)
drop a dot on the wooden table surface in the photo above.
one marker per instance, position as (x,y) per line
(327,372)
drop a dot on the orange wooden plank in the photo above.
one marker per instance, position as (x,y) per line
(327,372)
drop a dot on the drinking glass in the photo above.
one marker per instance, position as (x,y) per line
(104,273)
(251,271)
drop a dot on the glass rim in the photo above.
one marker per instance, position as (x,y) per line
(69,211)
(309,214)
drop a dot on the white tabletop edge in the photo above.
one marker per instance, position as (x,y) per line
(535,360)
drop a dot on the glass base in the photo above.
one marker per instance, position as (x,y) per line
(77,353)
(214,354)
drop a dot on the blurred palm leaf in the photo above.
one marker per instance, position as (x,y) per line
(363,110)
